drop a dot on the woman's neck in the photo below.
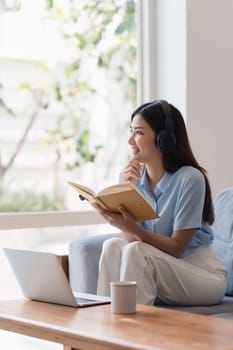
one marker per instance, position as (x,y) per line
(155,172)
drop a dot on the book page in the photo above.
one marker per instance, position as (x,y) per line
(124,186)
(87,194)
(82,189)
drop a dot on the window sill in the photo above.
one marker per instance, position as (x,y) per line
(9,221)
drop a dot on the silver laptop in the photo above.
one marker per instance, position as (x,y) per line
(41,277)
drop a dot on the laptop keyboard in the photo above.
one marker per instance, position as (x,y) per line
(84,301)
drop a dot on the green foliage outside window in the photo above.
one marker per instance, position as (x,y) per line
(85,26)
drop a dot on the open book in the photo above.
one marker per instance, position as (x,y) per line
(125,194)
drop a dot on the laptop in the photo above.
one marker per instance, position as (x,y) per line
(42,278)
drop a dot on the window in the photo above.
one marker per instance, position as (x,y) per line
(33,65)
(68,85)
(67,88)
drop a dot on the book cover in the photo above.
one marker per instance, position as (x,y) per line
(125,194)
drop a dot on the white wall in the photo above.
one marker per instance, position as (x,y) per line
(194,60)
(210,86)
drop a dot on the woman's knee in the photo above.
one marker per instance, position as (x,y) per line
(139,251)
(132,249)
(112,245)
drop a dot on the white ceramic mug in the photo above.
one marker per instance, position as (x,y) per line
(123,295)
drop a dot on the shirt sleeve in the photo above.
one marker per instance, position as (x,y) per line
(190,202)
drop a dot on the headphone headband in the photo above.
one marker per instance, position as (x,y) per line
(166,107)
(165,139)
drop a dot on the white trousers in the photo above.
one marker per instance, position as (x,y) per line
(198,279)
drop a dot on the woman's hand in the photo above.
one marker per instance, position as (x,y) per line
(129,237)
(132,171)
(122,220)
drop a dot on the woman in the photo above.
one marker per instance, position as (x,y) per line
(171,257)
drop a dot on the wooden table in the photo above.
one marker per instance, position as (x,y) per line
(97,328)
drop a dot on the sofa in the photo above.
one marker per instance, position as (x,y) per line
(84,257)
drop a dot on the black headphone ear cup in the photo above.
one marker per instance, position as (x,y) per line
(165,142)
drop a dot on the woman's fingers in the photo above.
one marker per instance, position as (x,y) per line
(132,171)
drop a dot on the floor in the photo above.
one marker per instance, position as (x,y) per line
(11,341)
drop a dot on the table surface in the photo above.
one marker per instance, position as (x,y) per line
(149,328)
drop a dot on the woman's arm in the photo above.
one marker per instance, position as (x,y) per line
(174,245)
(129,237)
(131,172)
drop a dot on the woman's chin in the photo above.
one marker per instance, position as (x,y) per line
(137,157)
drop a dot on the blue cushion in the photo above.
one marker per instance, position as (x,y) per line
(223,309)
(223,230)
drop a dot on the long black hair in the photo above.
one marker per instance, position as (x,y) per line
(181,154)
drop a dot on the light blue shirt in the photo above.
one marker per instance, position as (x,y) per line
(178,198)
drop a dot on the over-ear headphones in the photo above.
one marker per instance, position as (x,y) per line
(166,139)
